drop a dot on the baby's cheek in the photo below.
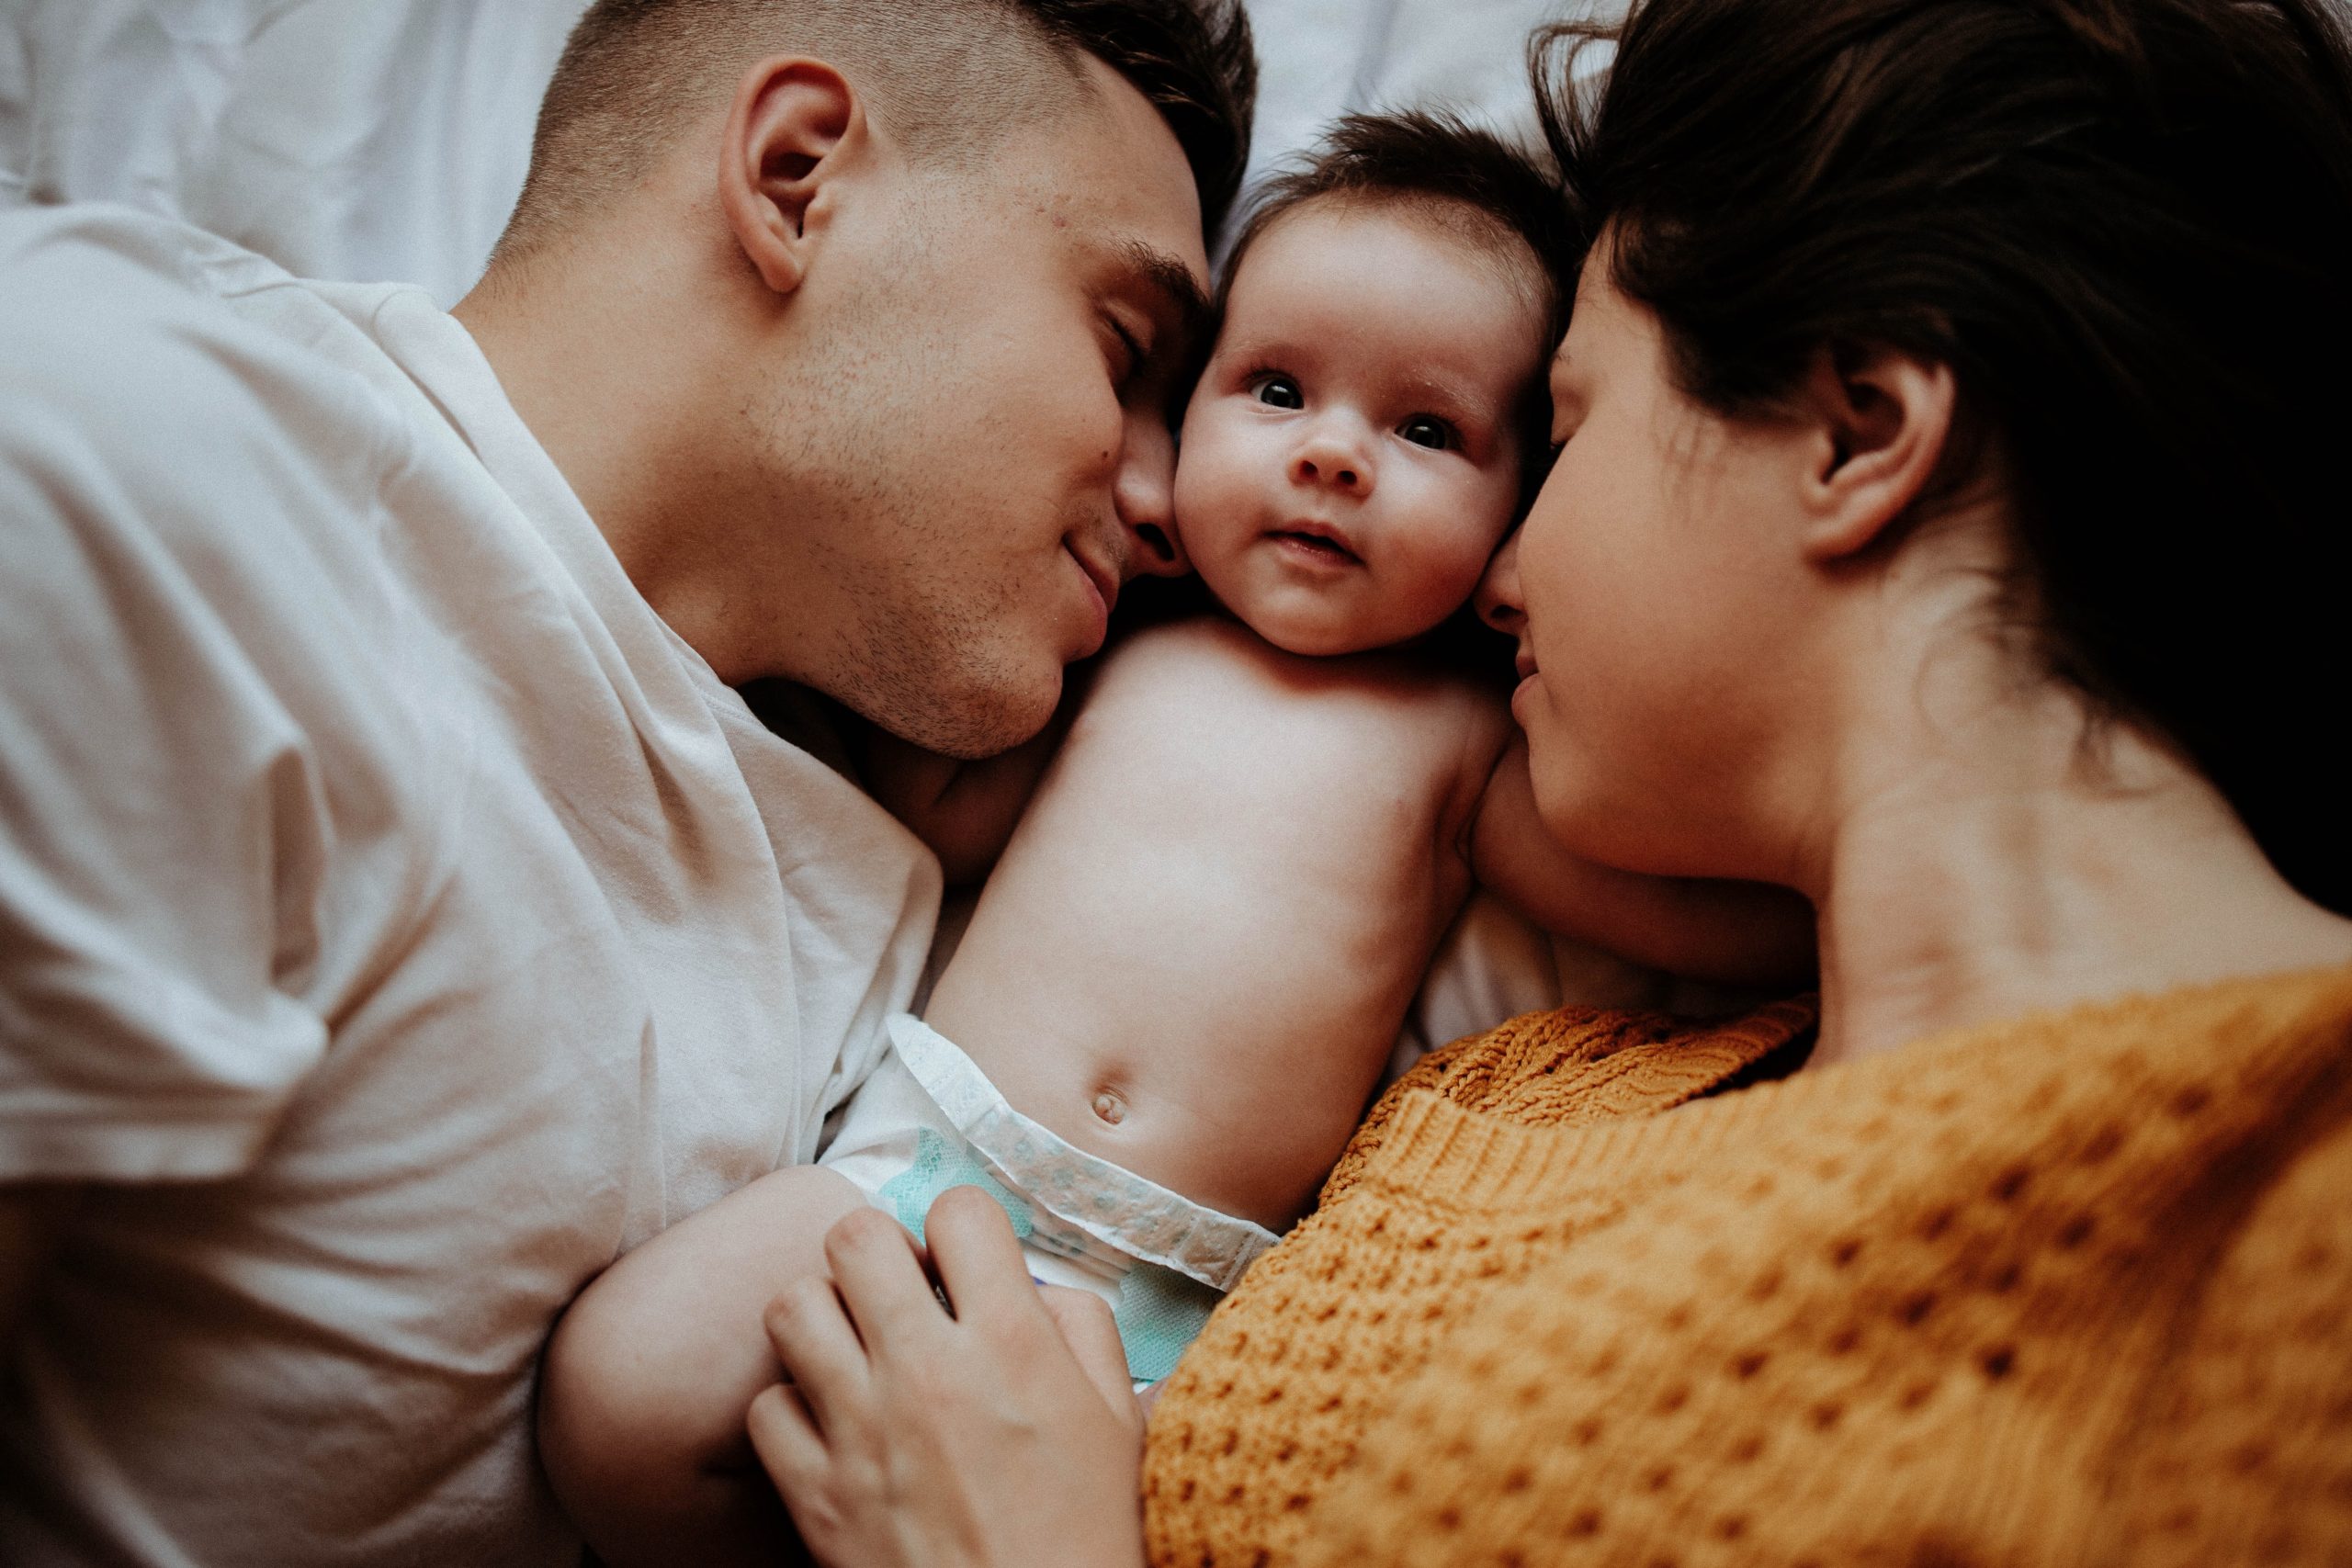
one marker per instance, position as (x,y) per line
(1215,495)
(1450,569)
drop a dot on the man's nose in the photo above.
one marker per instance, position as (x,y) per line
(1144,494)
(1497,600)
(1333,458)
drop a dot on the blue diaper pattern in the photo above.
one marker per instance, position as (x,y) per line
(1159,1311)
(939,1165)
(1161,1261)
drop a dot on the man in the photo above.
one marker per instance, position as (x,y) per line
(399,914)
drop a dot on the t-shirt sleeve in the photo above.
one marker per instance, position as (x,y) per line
(162,820)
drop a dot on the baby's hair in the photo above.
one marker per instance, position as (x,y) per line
(1470,180)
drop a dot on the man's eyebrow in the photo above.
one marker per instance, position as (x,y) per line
(1173,282)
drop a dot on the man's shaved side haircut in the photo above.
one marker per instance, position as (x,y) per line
(945,78)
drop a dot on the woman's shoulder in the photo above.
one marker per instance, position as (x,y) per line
(2248,1441)
(1577,1065)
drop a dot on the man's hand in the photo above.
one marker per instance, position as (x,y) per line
(1003,1437)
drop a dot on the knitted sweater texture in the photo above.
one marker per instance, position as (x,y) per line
(2075,1289)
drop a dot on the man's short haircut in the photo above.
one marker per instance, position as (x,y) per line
(1509,197)
(947,78)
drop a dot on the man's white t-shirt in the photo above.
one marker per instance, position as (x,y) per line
(398,920)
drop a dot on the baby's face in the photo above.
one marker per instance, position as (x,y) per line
(1350,457)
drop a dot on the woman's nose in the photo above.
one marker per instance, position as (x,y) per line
(1326,458)
(1497,600)
(1144,494)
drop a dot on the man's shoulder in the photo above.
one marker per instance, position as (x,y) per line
(160,383)
(109,236)
(166,335)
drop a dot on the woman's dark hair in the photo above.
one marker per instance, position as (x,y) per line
(2126,227)
(1432,158)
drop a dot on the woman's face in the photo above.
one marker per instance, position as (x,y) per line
(1655,589)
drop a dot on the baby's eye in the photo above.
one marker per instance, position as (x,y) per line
(1425,430)
(1279,392)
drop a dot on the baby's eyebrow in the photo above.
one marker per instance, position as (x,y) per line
(1463,397)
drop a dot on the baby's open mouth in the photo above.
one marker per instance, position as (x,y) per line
(1321,546)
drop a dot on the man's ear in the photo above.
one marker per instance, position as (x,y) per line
(794,123)
(1881,421)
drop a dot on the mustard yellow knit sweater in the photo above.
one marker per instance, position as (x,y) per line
(2073,1290)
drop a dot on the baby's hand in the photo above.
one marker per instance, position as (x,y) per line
(1002,1437)
(1739,932)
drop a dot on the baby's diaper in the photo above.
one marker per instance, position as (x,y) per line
(928,1118)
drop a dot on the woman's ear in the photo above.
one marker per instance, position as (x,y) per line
(1883,420)
(793,128)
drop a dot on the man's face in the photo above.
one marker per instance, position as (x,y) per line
(978,439)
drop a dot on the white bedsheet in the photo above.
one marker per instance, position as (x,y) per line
(369,139)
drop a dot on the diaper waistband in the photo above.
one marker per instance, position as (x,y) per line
(1109,1202)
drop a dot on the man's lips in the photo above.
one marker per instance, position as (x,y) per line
(1525,663)
(1106,584)
(1105,580)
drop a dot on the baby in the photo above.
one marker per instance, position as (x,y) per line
(1184,976)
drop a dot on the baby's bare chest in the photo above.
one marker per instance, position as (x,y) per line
(1347,772)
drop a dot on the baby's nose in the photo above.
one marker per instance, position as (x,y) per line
(1330,463)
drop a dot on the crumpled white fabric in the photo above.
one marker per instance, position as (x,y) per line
(354,139)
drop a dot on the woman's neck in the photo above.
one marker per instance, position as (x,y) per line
(2010,861)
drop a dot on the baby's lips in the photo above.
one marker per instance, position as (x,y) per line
(1310,528)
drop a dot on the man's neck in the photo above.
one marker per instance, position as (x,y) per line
(591,369)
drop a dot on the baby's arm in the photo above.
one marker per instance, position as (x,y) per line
(965,811)
(647,1380)
(1742,933)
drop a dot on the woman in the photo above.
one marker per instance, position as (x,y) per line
(1940,530)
